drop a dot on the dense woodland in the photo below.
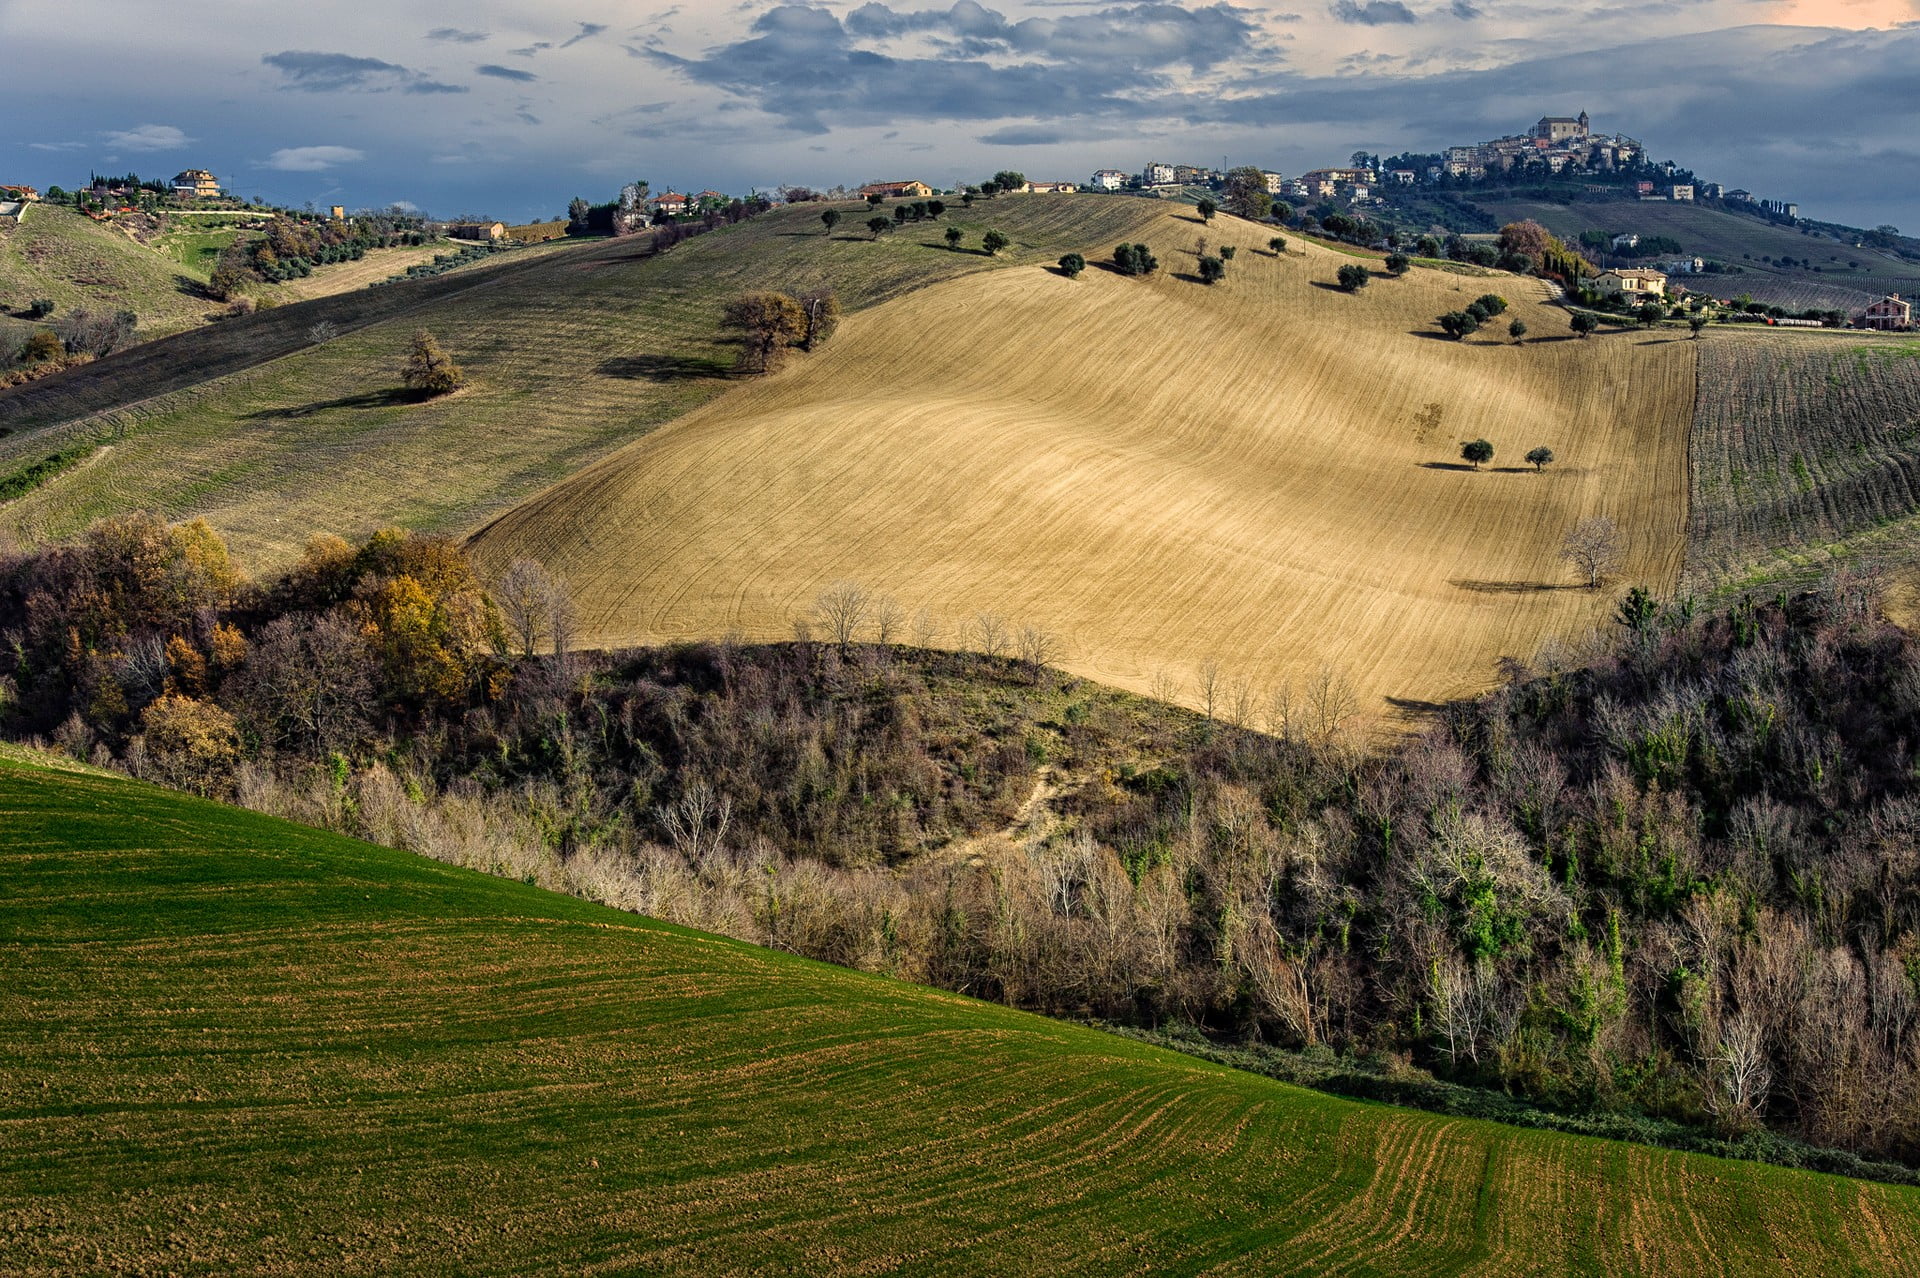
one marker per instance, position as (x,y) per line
(1677,873)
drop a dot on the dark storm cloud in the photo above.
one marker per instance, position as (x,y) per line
(1374,13)
(808,68)
(506,73)
(1112,41)
(315,72)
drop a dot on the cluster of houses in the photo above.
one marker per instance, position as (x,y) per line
(1560,144)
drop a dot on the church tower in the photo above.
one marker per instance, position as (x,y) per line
(1585,130)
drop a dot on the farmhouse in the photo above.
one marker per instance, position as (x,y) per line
(196,184)
(477,230)
(671,204)
(1630,282)
(1891,312)
(1052,188)
(20,194)
(911,190)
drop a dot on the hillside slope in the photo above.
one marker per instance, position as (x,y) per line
(1848,277)
(1261,476)
(235,1045)
(585,348)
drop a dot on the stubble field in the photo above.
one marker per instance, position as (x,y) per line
(1260,478)
(233,1045)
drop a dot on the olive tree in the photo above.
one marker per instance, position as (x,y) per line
(1540,458)
(1478,452)
(993,242)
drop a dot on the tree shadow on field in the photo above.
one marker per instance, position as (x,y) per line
(390,398)
(1413,710)
(1471,470)
(1510,587)
(964,252)
(663,368)
(1331,288)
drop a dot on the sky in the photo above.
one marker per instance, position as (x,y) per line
(520,105)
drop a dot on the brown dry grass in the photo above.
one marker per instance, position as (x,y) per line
(1164,475)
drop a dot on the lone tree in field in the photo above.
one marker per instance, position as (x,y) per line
(1135,259)
(1397,263)
(1584,324)
(1227,251)
(1478,452)
(429,370)
(1277,245)
(954,237)
(1212,270)
(832,218)
(993,242)
(768,324)
(1541,458)
(1698,324)
(876,225)
(1518,332)
(1593,548)
(1071,265)
(1206,209)
(1353,277)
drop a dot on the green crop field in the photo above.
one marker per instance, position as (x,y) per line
(1800,442)
(1737,240)
(233,1045)
(588,349)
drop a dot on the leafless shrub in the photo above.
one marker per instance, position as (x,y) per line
(323,332)
(1208,682)
(698,822)
(1163,686)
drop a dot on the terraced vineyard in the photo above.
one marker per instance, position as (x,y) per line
(1801,445)
(580,349)
(1262,477)
(239,1046)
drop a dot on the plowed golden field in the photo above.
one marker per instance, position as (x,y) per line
(1260,477)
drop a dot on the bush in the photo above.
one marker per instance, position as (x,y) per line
(1354,277)
(1491,303)
(1397,263)
(429,370)
(39,308)
(1212,270)
(1135,259)
(42,346)
(1227,251)
(993,242)
(1277,245)
(1459,325)
(1072,264)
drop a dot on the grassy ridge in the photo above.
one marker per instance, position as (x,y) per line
(231,1044)
(586,349)
(1799,443)
(78,263)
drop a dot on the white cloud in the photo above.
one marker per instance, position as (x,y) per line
(312,159)
(148,137)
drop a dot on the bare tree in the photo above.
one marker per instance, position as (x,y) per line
(843,608)
(1209,684)
(525,596)
(926,628)
(1163,686)
(1330,704)
(1238,705)
(698,822)
(562,620)
(1280,714)
(1593,547)
(990,629)
(889,619)
(1036,647)
(322,333)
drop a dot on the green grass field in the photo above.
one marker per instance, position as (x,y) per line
(1738,240)
(593,347)
(78,264)
(232,1045)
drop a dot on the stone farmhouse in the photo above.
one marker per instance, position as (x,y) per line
(477,230)
(909,190)
(1632,282)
